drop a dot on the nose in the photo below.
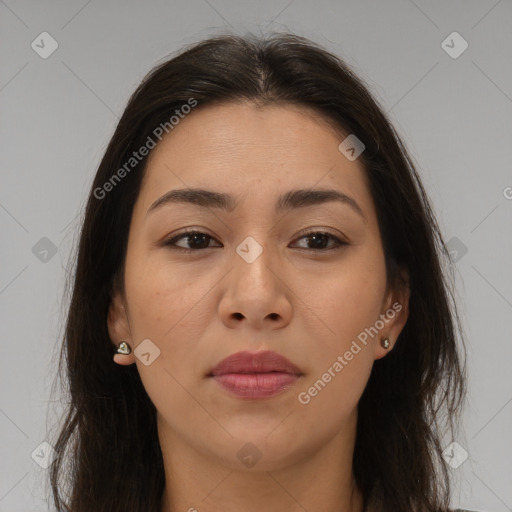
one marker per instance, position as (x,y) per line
(256,294)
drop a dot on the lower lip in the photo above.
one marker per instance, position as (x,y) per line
(256,385)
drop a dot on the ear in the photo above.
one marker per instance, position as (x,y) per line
(395,312)
(119,328)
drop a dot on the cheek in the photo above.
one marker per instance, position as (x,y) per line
(164,308)
(332,395)
(170,307)
(164,299)
(348,302)
(348,299)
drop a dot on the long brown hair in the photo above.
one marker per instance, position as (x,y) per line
(108,453)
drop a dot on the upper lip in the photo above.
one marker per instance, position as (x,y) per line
(255,362)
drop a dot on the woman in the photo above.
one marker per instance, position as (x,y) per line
(220,357)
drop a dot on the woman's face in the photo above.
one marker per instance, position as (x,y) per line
(255,281)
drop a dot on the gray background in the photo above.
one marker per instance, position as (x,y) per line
(58,113)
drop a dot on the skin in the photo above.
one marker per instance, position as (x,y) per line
(305,303)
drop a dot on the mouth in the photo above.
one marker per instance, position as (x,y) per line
(255,375)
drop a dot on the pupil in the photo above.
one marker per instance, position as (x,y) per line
(195,237)
(318,239)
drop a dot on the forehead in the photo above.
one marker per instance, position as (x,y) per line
(239,146)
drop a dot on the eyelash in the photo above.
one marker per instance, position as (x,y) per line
(170,243)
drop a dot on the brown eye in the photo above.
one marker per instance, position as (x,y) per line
(318,240)
(196,241)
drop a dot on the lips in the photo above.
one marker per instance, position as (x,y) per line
(257,375)
(259,362)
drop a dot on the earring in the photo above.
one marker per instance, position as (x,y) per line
(124,348)
(385,342)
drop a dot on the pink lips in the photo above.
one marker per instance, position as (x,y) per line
(255,375)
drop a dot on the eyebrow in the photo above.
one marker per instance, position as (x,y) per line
(292,199)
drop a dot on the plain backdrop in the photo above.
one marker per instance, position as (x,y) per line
(451,104)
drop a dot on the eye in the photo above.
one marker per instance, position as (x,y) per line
(196,239)
(319,239)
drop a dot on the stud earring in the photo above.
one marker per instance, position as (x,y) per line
(124,348)
(385,342)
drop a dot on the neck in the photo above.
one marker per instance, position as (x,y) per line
(321,481)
